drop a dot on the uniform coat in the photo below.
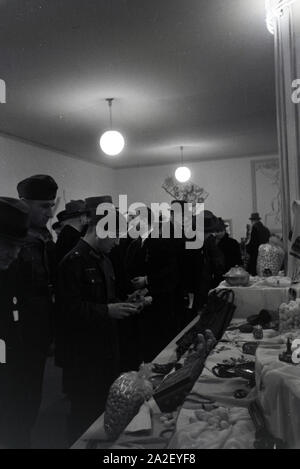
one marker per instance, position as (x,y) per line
(66,241)
(36,271)
(90,362)
(11,372)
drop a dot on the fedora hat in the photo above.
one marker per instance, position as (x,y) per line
(255,216)
(73,209)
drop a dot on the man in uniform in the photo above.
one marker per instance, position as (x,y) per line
(13,230)
(36,275)
(88,313)
(75,218)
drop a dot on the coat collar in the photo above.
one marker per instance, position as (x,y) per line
(88,250)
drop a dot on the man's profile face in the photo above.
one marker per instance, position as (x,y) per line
(40,212)
(9,251)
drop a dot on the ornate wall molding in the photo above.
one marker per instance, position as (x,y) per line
(274,10)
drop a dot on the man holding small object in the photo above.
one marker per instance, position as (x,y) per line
(89,311)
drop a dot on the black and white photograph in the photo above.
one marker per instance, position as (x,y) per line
(149,227)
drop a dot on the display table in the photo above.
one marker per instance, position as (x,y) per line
(278,386)
(192,427)
(251,300)
(208,388)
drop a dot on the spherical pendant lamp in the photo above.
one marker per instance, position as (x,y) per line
(182,173)
(111,142)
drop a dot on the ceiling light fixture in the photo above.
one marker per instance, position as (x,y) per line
(275,9)
(111,142)
(182,174)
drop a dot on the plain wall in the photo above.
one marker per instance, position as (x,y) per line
(76,179)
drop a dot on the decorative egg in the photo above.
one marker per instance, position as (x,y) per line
(270,259)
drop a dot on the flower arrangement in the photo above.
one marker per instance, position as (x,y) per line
(189,192)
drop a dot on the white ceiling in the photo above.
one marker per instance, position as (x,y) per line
(197,73)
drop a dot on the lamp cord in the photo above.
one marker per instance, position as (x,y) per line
(110,100)
(181,149)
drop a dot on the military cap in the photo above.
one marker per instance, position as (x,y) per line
(117,220)
(38,187)
(74,208)
(14,219)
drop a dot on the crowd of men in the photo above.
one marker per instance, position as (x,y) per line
(107,303)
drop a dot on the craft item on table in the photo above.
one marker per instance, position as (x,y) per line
(169,421)
(289,316)
(215,316)
(258,332)
(278,281)
(264,319)
(286,356)
(249,348)
(200,348)
(176,386)
(270,259)
(237,276)
(294,252)
(163,369)
(236,368)
(246,328)
(126,396)
(219,428)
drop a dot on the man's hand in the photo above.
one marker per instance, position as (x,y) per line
(137,295)
(121,310)
(139,282)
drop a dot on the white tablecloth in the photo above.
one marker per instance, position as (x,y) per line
(251,300)
(278,386)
